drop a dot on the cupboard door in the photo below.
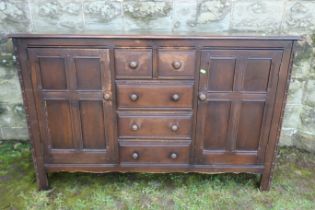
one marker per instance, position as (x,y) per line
(236,96)
(73,90)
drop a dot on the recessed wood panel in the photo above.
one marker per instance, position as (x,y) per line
(256,75)
(216,125)
(88,73)
(92,123)
(221,74)
(249,127)
(52,71)
(59,124)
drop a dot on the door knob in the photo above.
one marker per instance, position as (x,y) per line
(107,96)
(202,96)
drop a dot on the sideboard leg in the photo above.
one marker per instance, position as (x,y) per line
(42,180)
(265,181)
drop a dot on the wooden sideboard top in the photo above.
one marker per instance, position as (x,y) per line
(159,36)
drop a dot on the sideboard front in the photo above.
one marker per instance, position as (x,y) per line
(154,103)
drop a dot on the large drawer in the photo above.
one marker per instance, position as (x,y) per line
(155,94)
(131,152)
(158,125)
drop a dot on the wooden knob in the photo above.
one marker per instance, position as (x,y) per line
(135,155)
(175,97)
(133,64)
(133,97)
(106,96)
(176,64)
(134,127)
(173,155)
(202,96)
(174,128)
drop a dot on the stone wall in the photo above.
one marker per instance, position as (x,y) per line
(264,17)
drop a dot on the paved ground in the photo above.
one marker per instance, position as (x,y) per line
(293,187)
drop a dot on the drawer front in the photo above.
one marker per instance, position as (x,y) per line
(179,64)
(160,94)
(133,63)
(157,154)
(155,126)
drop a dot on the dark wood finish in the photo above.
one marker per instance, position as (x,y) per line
(148,103)
(154,125)
(133,63)
(154,94)
(176,64)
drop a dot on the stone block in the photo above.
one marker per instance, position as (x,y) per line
(307,118)
(257,16)
(299,17)
(148,15)
(302,63)
(291,117)
(102,16)
(12,115)
(309,94)
(9,86)
(295,94)
(14,16)
(305,141)
(185,14)
(16,133)
(57,16)
(213,16)
(286,136)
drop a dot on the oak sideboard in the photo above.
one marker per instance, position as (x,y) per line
(154,103)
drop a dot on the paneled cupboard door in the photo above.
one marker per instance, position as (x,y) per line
(73,96)
(236,97)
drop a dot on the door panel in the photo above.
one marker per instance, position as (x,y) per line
(221,77)
(59,124)
(92,122)
(219,111)
(235,116)
(75,119)
(52,74)
(249,127)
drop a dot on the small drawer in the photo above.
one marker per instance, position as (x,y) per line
(154,126)
(154,94)
(133,63)
(142,153)
(179,64)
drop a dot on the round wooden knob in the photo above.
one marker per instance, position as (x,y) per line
(174,128)
(202,96)
(133,64)
(135,155)
(173,155)
(133,97)
(175,97)
(176,64)
(106,96)
(134,127)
